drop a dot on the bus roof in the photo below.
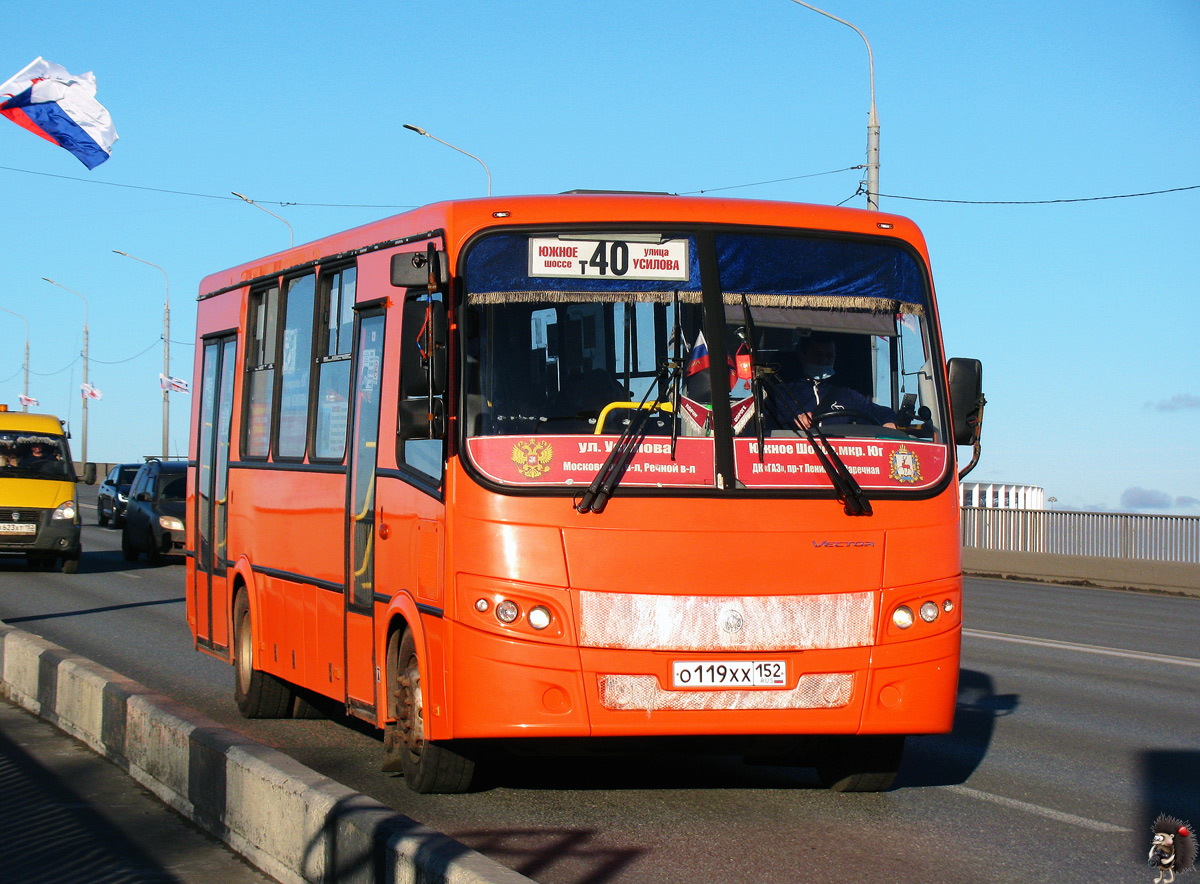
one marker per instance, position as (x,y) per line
(463,218)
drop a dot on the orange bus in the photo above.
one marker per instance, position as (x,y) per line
(592,465)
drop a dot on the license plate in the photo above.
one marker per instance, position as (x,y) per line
(17,528)
(728,674)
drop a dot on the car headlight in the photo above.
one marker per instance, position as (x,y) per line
(170,523)
(121,497)
(65,511)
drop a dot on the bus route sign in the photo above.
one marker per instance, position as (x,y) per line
(609,259)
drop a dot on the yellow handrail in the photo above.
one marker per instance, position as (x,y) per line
(631,406)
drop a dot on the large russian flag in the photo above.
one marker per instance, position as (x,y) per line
(61,107)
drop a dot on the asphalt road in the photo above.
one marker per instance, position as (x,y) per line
(1078,722)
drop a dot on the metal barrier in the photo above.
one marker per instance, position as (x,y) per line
(1061,532)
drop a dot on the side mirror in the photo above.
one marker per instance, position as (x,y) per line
(412,269)
(89,474)
(423,348)
(416,420)
(966,399)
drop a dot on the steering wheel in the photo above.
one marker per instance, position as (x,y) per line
(850,413)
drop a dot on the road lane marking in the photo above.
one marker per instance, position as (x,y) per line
(1087,649)
(1038,810)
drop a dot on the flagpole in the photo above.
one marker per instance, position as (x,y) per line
(166,351)
(83,454)
(24,406)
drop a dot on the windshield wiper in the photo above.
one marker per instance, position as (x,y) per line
(595,498)
(851,495)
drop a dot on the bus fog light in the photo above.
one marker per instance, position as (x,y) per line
(929,612)
(903,617)
(948,606)
(507,611)
(481,605)
(539,617)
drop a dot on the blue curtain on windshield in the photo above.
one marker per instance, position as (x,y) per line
(859,274)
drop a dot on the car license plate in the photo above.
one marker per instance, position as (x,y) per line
(18,528)
(728,673)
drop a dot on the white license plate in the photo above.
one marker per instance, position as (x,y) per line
(728,673)
(17,528)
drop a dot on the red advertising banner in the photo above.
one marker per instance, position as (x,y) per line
(575,460)
(874,463)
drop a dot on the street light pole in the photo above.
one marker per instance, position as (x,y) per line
(24,407)
(291,235)
(872,118)
(85,360)
(166,351)
(421,131)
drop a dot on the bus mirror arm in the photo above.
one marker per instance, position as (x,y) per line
(977,422)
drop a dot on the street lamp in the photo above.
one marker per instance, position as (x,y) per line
(421,131)
(85,359)
(166,349)
(872,119)
(24,407)
(291,236)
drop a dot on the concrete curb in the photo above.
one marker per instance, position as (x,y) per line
(290,821)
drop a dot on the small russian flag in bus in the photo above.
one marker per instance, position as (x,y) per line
(61,107)
(87,391)
(27,400)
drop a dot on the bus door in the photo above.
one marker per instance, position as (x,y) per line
(211,590)
(360,512)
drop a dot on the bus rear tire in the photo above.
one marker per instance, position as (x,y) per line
(429,767)
(860,763)
(257,693)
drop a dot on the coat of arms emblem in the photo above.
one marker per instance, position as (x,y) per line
(532,458)
(904,466)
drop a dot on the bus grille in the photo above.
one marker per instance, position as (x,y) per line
(732,623)
(641,693)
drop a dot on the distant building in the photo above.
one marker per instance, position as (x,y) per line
(1002,495)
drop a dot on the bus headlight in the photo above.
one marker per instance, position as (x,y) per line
(903,617)
(929,612)
(507,611)
(539,617)
(170,523)
(65,511)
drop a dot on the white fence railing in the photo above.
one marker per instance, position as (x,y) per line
(1118,535)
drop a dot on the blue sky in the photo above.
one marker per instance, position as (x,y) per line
(1084,314)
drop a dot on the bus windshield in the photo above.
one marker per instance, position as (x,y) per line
(34,456)
(570,335)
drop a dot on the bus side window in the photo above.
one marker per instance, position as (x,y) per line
(336,329)
(425,455)
(261,319)
(296,366)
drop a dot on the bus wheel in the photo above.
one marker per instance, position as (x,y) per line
(860,764)
(428,767)
(257,694)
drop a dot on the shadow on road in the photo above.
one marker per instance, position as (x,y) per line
(52,835)
(950,759)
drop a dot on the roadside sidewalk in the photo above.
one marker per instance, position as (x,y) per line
(69,815)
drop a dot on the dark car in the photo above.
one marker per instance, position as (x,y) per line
(114,493)
(154,517)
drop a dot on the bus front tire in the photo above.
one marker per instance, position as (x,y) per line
(257,694)
(859,763)
(428,767)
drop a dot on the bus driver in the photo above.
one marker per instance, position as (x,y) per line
(818,394)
